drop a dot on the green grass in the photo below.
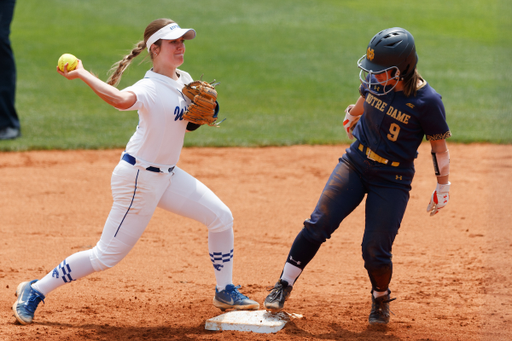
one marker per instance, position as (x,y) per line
(287,68)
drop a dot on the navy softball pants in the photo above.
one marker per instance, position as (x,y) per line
(387,193)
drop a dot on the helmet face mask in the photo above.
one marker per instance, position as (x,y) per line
(367,77)
(390,49)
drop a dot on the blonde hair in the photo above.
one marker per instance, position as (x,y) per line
(411,83)
(117,70)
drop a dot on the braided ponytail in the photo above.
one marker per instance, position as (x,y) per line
(116,71)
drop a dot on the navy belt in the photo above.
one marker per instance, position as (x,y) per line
(131,160)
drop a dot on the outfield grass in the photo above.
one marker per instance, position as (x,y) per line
(287,68)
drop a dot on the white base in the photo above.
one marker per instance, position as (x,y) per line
(257,321)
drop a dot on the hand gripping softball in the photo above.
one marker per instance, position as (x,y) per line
(204,106)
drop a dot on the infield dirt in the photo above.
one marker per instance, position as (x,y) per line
(452,272)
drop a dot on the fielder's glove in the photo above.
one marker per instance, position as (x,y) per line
(439,198)
(349,123)
(204,106)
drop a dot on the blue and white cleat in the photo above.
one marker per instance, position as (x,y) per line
(231,298)
(27,302)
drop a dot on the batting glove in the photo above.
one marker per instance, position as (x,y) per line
(350,121)
(439,198)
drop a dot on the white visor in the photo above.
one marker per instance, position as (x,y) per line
(171,32)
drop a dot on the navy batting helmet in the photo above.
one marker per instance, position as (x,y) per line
(390,49)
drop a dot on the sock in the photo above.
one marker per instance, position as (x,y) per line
(379,293)
(301,253)
(72,268)
(290,273)
(220,247)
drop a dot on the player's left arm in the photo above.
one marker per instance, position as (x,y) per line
(192,126)
(441,161)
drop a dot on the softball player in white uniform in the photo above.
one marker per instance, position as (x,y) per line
(146,176)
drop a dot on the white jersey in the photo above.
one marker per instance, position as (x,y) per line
(159,137)
(138,188)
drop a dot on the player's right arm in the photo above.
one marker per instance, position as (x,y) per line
(110,94)
(358,108)
(352,115)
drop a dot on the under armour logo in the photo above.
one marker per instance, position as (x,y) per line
(295,261)
(398,177)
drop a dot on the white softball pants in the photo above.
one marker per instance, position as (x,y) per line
(137,193)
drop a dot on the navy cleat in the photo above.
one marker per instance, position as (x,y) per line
(231,298)
(380,309)
(27,302)
(278,295)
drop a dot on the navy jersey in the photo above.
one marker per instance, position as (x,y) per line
(393,125)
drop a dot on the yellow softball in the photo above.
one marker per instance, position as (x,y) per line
(67,58)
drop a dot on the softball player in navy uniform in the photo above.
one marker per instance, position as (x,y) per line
(397,107)
(147,176)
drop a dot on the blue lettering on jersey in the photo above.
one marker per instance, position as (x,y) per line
(178,113)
